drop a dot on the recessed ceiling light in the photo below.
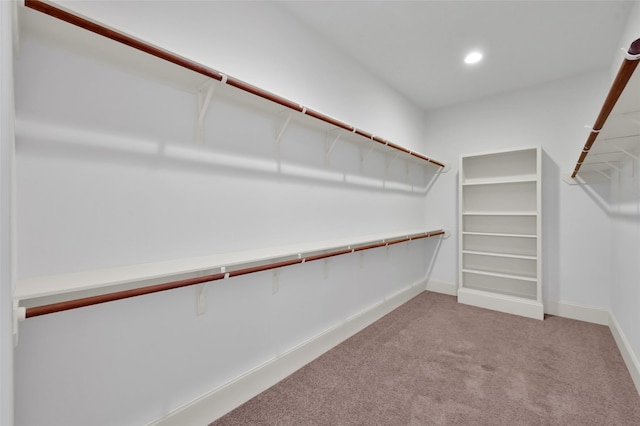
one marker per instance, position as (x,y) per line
(473,58)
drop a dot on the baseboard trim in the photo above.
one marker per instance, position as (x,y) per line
(578,312)
(501,303)
(442,287)
(630,358)
(218,402)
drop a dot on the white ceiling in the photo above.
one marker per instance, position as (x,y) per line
(418,47)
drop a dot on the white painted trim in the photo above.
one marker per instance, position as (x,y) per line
(630,358)
(219,401)
(442,287)
(575,311)
(502,303)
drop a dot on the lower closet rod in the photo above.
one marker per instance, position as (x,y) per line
(125,294)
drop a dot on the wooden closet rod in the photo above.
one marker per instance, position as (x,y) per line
(125,294)
(629,64)
(56,12)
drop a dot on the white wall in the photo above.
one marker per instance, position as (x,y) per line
(108,174)
(6,213)
(575,253)
(625,241)
(625,252)
(630,34)
(261,43)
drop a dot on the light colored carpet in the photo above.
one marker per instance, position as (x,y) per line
(436,362)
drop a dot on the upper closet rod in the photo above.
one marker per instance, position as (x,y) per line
(49,9)
(629,64)
(125,294)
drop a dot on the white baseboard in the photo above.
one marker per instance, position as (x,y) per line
(442,287)
(630,358)
(602,317)
(502,303)
(578,312)
(219,401)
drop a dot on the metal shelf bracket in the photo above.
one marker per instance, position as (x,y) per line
(329,145)
(203,99)
(19,314)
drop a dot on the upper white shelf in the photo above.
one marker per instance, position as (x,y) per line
(95,39)
(496,234)
(500,275)
(504,255)
(499,213)
(499,180)
(500,167)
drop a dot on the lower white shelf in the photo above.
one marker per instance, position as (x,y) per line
(494,234)
(500,284)
(500,275)
(499,213)
(506,255)
(502,303)
(33,291)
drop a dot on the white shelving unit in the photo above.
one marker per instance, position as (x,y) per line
(500,231)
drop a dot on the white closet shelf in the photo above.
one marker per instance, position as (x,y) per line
(500,180)
(499,213)
(494,254)
(501,275)
(512,296)
(512,303)
(93,38)
(90,283)
(494,234)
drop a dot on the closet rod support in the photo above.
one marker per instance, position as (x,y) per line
(624,151)
(330,146)
(19,315)
(201,302)
(203,100)
(284,126)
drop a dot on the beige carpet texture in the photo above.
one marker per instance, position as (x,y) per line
(436,362)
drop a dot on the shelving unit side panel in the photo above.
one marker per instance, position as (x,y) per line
(461,219)
(539,222)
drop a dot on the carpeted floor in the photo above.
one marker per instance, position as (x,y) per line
(436,362)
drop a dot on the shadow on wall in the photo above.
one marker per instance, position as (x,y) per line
(624,190)
(377,172)
(431,254)
(600,194)
(141,122)
(550,225)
